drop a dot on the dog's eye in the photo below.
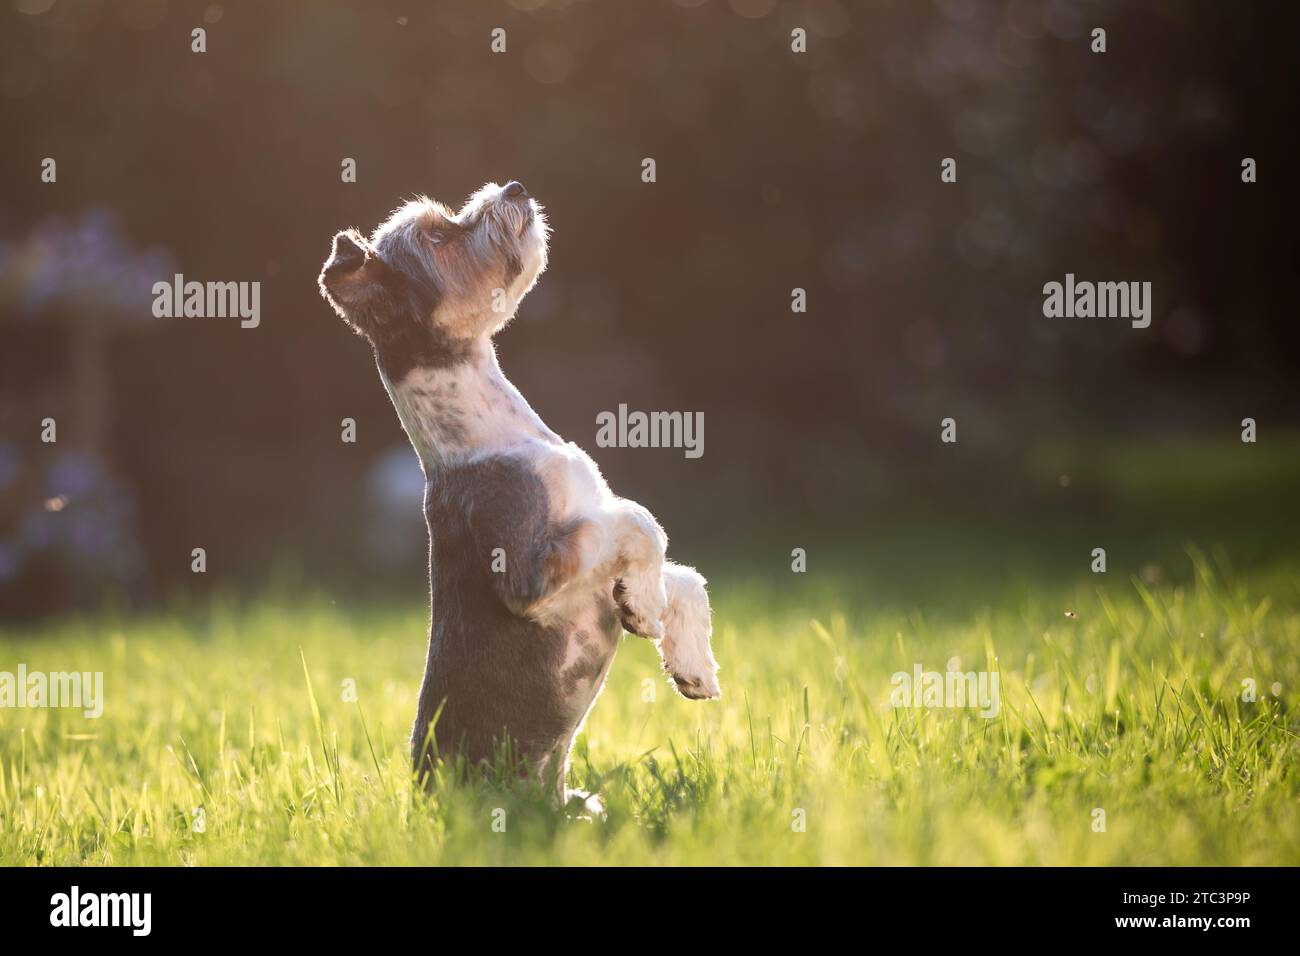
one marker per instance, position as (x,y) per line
(438,236)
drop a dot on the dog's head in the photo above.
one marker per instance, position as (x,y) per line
(462,273)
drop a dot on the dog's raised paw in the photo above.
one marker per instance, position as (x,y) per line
(686,647)
(640,608)
(703,687)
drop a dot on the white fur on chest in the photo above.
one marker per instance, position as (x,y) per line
(464,411)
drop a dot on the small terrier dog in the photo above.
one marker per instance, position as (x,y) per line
(533,562)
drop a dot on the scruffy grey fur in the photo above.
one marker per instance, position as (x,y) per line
(536,567)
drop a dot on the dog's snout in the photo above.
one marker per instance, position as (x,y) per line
(514,190)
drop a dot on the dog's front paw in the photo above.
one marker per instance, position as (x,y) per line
(686,649)
(642,601)
(701,687)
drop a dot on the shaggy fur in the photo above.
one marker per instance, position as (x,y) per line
(517,656)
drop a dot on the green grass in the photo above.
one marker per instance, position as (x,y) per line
(1132,706)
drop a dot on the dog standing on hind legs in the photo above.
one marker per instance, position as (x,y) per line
(535,566)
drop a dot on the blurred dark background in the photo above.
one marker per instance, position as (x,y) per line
(775,170)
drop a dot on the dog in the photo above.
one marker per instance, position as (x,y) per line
(535,566)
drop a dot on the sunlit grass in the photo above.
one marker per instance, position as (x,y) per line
(1132,706)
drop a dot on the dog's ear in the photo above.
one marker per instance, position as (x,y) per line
(351,275)
(349,252)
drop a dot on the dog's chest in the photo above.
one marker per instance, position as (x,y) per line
(468,409)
